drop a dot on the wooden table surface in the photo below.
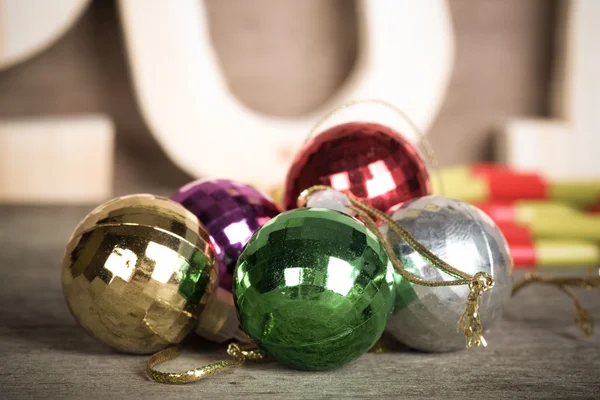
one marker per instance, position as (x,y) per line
(535,351)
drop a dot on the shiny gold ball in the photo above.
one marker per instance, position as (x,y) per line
(137,273)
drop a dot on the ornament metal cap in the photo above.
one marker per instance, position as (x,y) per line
(219,322)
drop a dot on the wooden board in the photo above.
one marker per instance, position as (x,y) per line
(62,160)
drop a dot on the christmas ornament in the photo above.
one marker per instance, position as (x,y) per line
(332,200)
(138,272)
(313,288)
(231,212)
(425,317)
(372,162)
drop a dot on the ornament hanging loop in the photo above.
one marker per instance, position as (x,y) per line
(239,356)
(481,282)
(583,318)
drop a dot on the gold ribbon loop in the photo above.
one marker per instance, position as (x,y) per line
(239,357)
(470,321)
(583,318)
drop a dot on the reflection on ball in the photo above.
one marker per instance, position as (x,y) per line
(313,288)
(425,318)
(231,212)
(137,272)
(370,161)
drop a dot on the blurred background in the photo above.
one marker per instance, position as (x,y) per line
(284,58)
(103,98)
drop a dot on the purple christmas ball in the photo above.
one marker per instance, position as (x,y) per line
(231,212)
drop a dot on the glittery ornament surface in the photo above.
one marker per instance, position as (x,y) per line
(425,318)
(314,288)
(370,161)
(137,273)
(231,213)
(332,200)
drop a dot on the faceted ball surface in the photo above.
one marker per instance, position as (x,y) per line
(314,288)
(370,161)
(425,318)
(231,212)
(137,273)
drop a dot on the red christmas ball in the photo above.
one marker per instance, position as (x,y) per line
(370,161)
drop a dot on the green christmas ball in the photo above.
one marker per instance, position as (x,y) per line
(314,288)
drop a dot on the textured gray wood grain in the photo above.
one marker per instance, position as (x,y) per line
(534,352)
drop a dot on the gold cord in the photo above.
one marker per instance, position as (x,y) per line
(583,318)
(470,321)
(239,358)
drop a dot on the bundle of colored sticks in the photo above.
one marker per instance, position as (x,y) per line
(546,223)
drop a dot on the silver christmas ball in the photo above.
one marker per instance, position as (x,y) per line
(425,318)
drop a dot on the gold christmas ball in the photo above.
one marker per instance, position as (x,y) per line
(138,272)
